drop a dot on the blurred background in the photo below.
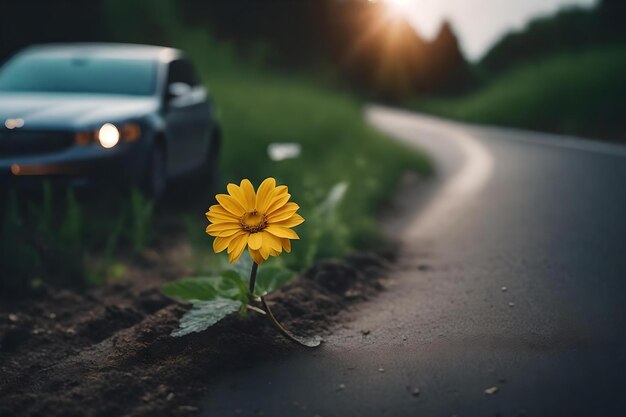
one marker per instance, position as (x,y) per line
(298,72)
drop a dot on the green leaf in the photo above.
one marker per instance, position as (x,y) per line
(271,278)
(202,289)
(205,314)
(233,281)
(228,285)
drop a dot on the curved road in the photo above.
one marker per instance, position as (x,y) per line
(512,279)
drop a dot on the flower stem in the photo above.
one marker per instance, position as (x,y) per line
(253,272)
(311,343)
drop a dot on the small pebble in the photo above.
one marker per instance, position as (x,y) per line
(351,294)
(170,396)
(52,316)
(187,408)
(341,387)
(381,369)
(415,392)
(13,317)
(70,332)
(404,338)
(504,289)
(491,390)
(511,304)
(365,332)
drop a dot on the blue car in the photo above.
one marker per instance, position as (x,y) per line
(127,114)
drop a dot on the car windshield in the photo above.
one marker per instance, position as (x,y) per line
(79,75)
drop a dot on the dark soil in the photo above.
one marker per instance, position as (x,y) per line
(108,351)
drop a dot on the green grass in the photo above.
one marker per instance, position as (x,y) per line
(578,93)
(55,238)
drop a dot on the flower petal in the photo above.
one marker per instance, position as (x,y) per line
(221,232)
(221,211)
(282,232)
(293,221)
(217,211)
(272,241)
(227,233)
(283,213)
(221,243)
(220,218)
(230,203)
(220,227)
(256,256)
(238,245)
(237,193)
(286,245)
(264,250)
(278,201)
(264,194)
(255,240)
(250,196)
(281,189)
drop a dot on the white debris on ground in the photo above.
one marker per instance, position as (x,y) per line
(491,390)
(282,151)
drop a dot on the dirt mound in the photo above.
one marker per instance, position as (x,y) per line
(108,352)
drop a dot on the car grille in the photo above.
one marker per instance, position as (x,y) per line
(30,142)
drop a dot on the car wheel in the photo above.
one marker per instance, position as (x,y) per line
(155,179)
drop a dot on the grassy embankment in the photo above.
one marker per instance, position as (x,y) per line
(578,93)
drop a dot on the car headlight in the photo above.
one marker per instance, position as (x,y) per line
(109,135)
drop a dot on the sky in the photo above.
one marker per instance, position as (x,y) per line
(479,23)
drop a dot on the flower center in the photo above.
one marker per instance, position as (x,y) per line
(253,222)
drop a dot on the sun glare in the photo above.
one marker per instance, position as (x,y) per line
(399,8)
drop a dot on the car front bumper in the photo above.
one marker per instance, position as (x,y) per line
(125,163)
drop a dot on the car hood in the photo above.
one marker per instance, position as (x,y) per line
(73,111)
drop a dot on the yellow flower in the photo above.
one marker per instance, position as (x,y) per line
(261,220)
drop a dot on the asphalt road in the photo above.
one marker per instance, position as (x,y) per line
(512,276)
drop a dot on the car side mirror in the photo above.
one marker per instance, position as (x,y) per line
(178,89)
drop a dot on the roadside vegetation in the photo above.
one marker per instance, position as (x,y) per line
(561,73)
(344,172)
(52,236)
(577,93)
